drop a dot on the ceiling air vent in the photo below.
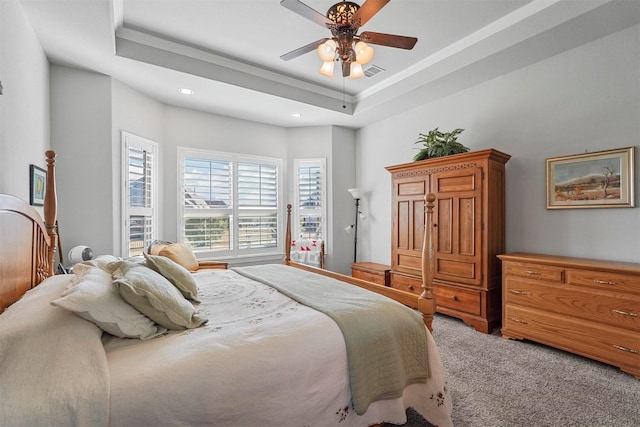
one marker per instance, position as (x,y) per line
(373,70)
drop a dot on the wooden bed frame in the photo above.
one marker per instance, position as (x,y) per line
(28,250)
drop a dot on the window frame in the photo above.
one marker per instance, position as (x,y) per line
(246,254)
(297,211)
(129,140)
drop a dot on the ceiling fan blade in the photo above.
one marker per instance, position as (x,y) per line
(368,9)
(346,68)
(302,50)
(390,40)
(305,11)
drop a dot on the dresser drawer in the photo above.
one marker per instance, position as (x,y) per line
(617,282)
(598,306)
(535,271)
(616,346)
(406,283)
(458,299)
(371,272)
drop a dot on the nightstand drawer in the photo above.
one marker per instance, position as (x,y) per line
(535,271)
(605,280)
(458,299)
(371,272)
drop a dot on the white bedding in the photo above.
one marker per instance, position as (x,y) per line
(252,364)
(261,360)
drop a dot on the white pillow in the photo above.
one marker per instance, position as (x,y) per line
(155,296)
(93,297)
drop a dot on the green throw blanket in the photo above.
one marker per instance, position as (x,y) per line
(386,342)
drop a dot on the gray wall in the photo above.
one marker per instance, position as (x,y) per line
(24,106)
(586,99)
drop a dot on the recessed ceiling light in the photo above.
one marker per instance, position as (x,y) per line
(185,91)
(297,115)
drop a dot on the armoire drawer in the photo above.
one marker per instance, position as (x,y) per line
(598,306)
(458,299)
(406,283)
(535,271)
(616,282)
(616,346)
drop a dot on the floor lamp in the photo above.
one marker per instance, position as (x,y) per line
(356,194)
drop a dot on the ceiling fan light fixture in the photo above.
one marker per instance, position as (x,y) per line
(341,13)
(356,71)
(327,68)
(327,50)
(364,52)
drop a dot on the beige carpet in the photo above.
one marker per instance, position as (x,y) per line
(506,383)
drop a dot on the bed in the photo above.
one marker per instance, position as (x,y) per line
(276,345)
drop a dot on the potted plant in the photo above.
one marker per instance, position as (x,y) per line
(439,144)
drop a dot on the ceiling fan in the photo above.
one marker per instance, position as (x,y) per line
(344,19)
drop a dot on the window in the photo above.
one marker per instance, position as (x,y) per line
(310,215)
(230,204)
(139,193)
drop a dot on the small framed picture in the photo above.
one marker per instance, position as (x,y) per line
(37,184)
(602,179)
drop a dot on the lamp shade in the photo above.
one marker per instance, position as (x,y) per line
(79,254)
(356,193)
(364,53)
(327,68)
(327,50)
(356,71)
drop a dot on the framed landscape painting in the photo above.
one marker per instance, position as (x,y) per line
(602,179)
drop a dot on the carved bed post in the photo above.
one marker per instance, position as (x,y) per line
(51,210)
(287,237)
(427,300)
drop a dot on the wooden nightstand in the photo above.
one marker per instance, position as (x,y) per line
(371,272)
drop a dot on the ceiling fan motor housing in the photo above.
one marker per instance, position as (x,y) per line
(341,13)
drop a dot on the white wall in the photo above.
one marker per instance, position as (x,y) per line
(586,99)
(81,136)
(24,106)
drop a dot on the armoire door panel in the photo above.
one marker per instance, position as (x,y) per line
(454,183)
(458,269)
(403,225)
(466,226)
(411,188)
(443,226)
(417,227)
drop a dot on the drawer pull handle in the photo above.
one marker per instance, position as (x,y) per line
(515,319)
(625,313)
(514,291)
(454,297)
(603,282)
(535,273)
(410,287)
(629,350)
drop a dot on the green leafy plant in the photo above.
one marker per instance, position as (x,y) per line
(439,144)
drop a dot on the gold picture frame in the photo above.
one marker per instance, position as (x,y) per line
(602,179)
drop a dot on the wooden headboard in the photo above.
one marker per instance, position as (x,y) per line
(28,244)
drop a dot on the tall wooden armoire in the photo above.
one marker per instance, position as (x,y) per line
(469,231)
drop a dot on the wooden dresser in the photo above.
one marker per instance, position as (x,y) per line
(468,229)
(585,306)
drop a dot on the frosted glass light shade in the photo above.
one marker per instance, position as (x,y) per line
(327,68)
(356,193)
(327,50)
(364,53)
(356,71)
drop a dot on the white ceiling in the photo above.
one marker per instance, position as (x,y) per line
(228,51)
